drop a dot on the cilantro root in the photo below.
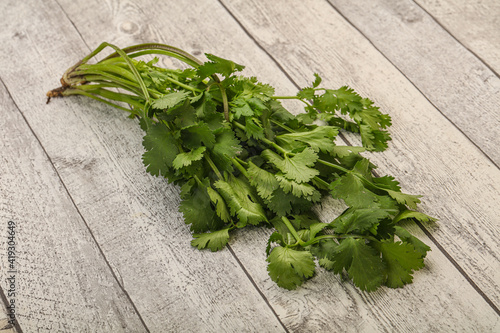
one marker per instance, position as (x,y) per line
(242,159)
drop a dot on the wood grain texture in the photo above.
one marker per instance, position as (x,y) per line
(62,282)
(475,23)
(428,154)
(97,153)
(302,310)
(463,88)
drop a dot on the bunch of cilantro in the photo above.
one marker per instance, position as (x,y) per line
(241,159)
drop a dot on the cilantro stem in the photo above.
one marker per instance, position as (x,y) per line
(282,126)
(292,230)
(240,167)
(68,92)
(291,97)
(213,166)
(334,166)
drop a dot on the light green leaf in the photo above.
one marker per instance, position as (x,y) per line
(290,268)
(185,159)
(220,204)
(214,240)
(242,202)
(320,138)
(170,100)
(401,260)
(264,181)
(361,261)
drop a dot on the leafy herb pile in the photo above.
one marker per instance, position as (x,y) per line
(242,159)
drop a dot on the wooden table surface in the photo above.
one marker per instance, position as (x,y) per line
(100,244)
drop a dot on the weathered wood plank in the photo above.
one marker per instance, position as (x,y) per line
(97,153)
(474,23)
(428,154)
(62,282)
(465,90)
(325,303)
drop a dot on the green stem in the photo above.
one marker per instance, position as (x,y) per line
(214,167)
(286,128)
(240,167)
(334,166)
(68,92)
(291,97)
(292,230)
(322,237)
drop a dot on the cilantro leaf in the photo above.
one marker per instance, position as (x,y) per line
(320,138)
(352,190)
(361,261)
(194,136)
(406,199)
(185,159)
(406,237)
(239,196)
(218,65)
(225,148)
(358,220)
(220,204)
(296,168)
(401,259)
(264,181)
(290,268)
(298,189)
(170,100)
(161,150)
(197,209)
(410,214)
(214,240)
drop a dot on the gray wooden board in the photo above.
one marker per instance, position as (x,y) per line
(475,23)
(156,25)
(428,154)
(96,152)
(62,282)
(133,216)
(463,88)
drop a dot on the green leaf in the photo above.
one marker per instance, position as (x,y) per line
(220,204)
(320,138)
(264,181)
(361,261)
(297,167)
(290,268)
(197,209)
(358,220)
(185,159)
(324,251)
(405,199)
(215,240)
(298,189)
(193,137)
(161,150)
(218,65)
(317,80)
(274,238)
(170,100)
(352,190)
(242,202)
(280,202)
(253,130)
(410,214)
(406,237)
(226,147)
(343,151)
(401,259)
